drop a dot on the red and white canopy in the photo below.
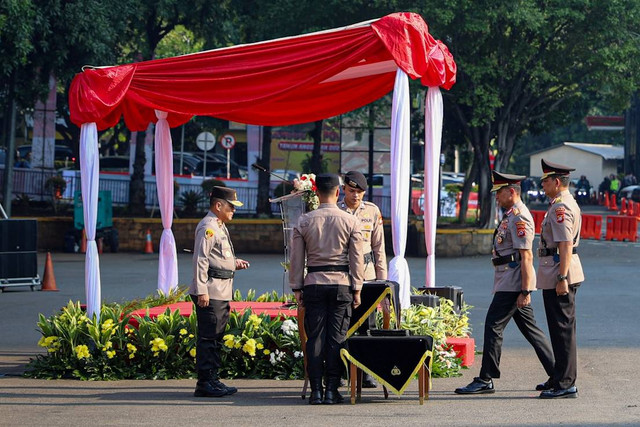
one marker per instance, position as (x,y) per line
(286,81)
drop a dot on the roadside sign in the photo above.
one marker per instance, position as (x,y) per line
(227,141)
(206,141)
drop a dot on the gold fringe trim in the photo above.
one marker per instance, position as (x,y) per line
(373,307)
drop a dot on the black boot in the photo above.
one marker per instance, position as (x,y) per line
(205,387)
(315,398)
(332,395)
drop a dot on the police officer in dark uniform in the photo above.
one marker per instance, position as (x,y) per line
(214,265)
(375,258)
(514,280)
(559,276)
(331,241)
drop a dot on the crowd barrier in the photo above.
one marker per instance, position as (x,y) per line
(591,227)
(622,228)
(623,206)
(538,216)
(633,209)
(613,203)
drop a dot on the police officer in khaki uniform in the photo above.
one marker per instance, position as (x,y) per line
(375,259)
(514,279)
(214,265)
(332,243)
(559,275)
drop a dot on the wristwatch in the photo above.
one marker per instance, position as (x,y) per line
(560,277)
(525,293)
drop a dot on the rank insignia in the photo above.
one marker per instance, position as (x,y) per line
(208,233)
(365,215)
(395,371)
(521,228)
(560,214)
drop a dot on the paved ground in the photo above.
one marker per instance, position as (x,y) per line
(607,337)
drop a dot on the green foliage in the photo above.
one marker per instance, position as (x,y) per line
(190,201)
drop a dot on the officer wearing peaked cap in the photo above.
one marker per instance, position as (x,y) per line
(331,242)
(375,259)
(559,275)
(214,266)
(514,279)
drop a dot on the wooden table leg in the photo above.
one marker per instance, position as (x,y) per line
(352,379)
(421,384)
(427,377)
(359,384)
(386,313)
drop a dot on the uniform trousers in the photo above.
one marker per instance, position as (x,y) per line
(326,321)
(503,308)
(561,318)
(212,322)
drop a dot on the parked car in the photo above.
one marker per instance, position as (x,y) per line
(114,164)
(63,156)
(631,192)
(189,163)
(244,174)
(217,169)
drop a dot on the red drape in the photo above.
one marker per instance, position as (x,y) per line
(279,82)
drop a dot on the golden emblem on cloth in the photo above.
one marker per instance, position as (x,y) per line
(395,371)
(208,233)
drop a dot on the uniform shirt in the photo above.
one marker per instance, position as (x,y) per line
(373,236)
(327,236)
(561,223)
(212,248)
(514,232)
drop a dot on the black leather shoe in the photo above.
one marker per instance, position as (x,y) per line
(331,394)
(206,389)
(478,386)
(562,393)
(368,382)
(218,384)
(315,398)
(547,385)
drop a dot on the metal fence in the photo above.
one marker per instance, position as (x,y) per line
(31,183)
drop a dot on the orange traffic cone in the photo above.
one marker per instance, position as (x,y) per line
(148,245)
(83,243)
(48,280)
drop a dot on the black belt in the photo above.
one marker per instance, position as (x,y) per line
(552,251)
(501,260)
(368,258)
(318,268)
(219,273)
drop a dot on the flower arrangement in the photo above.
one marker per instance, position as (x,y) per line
(307,184)
(254,346)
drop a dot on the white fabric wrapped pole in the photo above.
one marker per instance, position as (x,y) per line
(400,184)
(168,262)
(433,114)
(89,167)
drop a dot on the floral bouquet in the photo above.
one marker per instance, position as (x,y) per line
(307,184)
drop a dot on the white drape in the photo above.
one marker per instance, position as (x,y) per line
(89,168)
(168,261)
(433,113)
(400,185)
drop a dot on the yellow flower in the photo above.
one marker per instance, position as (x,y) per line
(191,335)
(250,347)
(192,352)
(259,346)
(107,325)
(132,348)
(158,344)
(266,352)
(107,345)
(227,337)
(111,353)
(51,341)
(254,320)
(132,355)
(82,352)
(230,343)
(183,331)
(155,354)
(237,345)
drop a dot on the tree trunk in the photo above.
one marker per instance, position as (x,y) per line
(316,154)
(264,178)
(136,187)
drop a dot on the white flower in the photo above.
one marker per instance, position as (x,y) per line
(289,327)
(297,354)
(272,358)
